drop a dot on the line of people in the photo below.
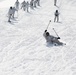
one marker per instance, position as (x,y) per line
(24,5)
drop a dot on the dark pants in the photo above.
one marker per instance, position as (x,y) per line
(56,17)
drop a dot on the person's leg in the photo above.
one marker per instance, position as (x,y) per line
(55,2)
(38,3)
(27,9)
(55,19)
(9,18)
(56,41)
(24,8)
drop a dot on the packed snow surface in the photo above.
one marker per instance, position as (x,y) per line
(23,49)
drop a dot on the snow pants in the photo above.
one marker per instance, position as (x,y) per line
(56,17)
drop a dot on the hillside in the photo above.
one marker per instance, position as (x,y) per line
(23,49)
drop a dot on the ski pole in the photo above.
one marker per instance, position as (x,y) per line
(48,24)
(55,32)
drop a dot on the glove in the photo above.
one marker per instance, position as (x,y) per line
(58,37)
(45,30)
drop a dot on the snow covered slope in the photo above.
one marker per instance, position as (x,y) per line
(23,49)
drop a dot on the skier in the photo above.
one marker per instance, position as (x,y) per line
(55,1)
(27,6)
(56,16)
(38,2)
(17,4)
(23,5)
(35,3)
(13,10)
(10,12)
(32,3)
(51,39)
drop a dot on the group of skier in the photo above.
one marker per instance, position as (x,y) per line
(24,5)
(33,4)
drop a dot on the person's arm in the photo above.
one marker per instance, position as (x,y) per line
(44,34)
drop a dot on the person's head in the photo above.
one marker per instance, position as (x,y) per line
(47,34)
(57,11)
(10,7)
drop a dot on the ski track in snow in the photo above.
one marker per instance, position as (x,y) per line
(23,49)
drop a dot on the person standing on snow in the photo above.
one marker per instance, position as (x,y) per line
(51,39)
(38,2)
(27,6)
(17,4)
(56,16)
(55,1)
(14,9)
(35,3)
(23,5)
(10,12)
(32,4)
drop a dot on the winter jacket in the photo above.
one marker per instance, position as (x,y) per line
(27,4)
(14,9)
(56,14)
(10,12)
(50,38)
(23,4)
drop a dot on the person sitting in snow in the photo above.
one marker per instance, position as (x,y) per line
(51,39)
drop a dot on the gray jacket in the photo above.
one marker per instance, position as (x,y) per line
(50,38)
